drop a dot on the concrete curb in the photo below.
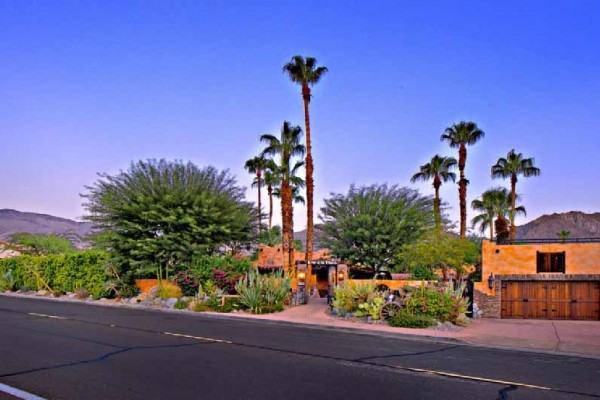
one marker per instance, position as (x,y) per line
(329,328)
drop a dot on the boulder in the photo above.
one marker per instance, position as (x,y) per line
(171,302)
(42,292)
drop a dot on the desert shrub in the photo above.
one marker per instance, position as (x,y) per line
(201,307)
(7,281)
(168,290)
(349,297)
(259,293)
(372,307)
(82,293)
(229,305)
(405,319)
(440,303)
(342,300)
(181,304)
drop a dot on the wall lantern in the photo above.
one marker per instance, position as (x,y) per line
(340,276)
(301,276)
(491,281)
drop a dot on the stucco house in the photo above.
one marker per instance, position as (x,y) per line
(544,279)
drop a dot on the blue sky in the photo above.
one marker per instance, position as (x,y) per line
(88,87)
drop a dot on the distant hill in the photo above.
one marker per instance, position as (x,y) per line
(12,221)
(580,224)
(319,234)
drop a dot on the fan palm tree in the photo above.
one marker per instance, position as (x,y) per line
(306,73)
(272,180)
(256,166)
(460,136)
(511,167)
(494,204)
(297,198)
(438,170)
(286,147)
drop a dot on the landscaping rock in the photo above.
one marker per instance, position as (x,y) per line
(71,295)
(42,292)
(462,320)
(192,305)
(446,326)
(171,302)
(157,302)
(133,300)
(335,312)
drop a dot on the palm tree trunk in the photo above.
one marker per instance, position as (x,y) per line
(513,201)
(436,204)
(270,192)
(258,179)
(491,227)
(462,190)
(287,236)
(309,175)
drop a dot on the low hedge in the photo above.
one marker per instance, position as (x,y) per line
(64,272)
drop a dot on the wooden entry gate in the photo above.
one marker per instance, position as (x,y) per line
(551,300)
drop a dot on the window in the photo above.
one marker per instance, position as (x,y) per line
(551,262)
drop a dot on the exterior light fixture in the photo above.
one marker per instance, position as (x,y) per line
(340,276)
(491,281)
(301,276)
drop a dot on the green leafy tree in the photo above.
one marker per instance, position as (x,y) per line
(286,148)
(494,204)
(438,170)
(256,165)
(306,73)
(272,237)
(368,226)
(442,251)
(41,244)
(159,214)
(563,235)
(460,136)
(511,167)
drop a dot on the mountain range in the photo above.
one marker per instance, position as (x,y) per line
(12,221)
(581,225)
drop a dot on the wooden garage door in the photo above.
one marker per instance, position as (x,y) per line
(551,300)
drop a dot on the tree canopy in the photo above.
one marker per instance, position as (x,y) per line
(160,213)
(441,251)
(369,225)
(41,244)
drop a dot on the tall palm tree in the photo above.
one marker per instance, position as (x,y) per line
(286,147)
(306,73)
(297,198)
(511,167)
(460,136)
(256,166)
(438,170)
(494,204)
(272,180)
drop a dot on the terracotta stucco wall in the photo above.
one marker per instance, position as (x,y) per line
(580,258)
(273,256)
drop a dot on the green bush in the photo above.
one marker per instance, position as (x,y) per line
(442,304)
(201,307)
(181,305)
(420,272)
(405,319)
(65,272)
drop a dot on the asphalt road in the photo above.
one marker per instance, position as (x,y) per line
(60,350)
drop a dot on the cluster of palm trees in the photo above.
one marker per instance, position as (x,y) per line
(278,163)
(495,204)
